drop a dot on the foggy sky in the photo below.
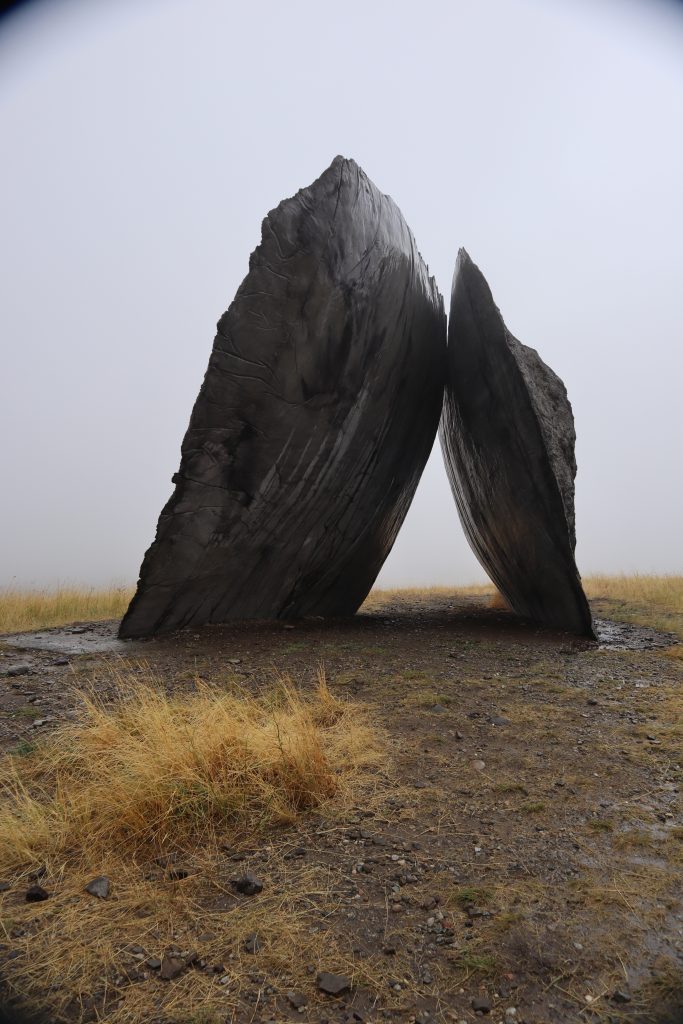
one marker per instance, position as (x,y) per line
(143,141)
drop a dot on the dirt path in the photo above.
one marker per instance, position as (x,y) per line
(526,864)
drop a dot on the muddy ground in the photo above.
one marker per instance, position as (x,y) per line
(525,867)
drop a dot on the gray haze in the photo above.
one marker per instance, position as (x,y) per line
(143,141)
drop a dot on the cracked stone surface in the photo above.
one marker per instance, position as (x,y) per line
(507,435)
(317,414)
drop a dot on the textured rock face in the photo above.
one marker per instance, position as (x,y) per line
(507,435)
(312,427)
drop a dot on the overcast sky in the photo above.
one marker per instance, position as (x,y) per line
(143,141)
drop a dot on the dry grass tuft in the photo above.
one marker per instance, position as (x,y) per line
(40,609)
(155,779)
(154,769)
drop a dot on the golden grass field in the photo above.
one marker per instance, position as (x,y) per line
(655,601)
(26,609)
(650,600)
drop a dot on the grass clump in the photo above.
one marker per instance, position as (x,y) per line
(153,769)
(600,825)
(426,699)
(635,840)
(476,963)
(154,779)
(26,609)
(533,807)
(469,895)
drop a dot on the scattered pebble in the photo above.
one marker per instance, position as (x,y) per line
(36,894)
(620,997)
(248,884)
(333,984)
(171,967)
(99,887)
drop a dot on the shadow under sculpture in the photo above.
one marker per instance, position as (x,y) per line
(317,414)
(507,435)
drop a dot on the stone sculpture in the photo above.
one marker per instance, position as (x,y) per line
(317,414)
(507,435)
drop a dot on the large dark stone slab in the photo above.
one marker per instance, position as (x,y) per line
(507,435)
(317,414)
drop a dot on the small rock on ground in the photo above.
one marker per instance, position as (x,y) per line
(18,670)
(171,967)
(99,887)
(620,997)
(333,984)
(36,894)
(248,885)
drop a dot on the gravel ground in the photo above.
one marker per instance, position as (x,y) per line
(523,866)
